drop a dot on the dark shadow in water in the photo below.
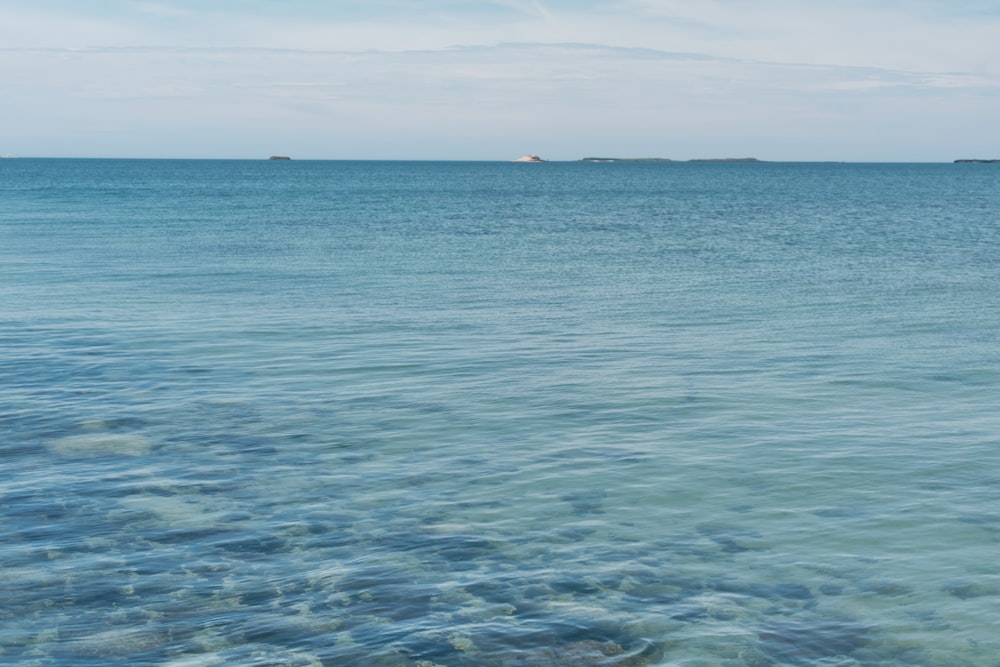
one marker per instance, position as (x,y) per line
(805,642)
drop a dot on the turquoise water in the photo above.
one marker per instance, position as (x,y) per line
(501,415)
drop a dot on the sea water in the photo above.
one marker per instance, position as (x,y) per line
(424,414)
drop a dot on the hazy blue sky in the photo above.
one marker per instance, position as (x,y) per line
(895,80)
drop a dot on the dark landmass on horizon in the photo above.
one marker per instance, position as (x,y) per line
(626,159)
(666,159)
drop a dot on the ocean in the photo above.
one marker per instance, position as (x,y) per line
(457,414)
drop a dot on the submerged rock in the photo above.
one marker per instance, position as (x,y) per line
(119,642)
(583,653)
(585,502)
(773,592)
(808,642)
(577,654)
(965,590)
(96,444)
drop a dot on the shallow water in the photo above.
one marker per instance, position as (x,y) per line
(414,414)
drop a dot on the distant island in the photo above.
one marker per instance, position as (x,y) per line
(726,159)
(530,157)
(279,157)
(970,161)
(626,159)
(664,159)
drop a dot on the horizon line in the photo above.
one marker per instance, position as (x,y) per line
(657,160)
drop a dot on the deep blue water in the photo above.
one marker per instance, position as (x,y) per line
(503,415)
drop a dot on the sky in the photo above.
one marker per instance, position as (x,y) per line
(852,80)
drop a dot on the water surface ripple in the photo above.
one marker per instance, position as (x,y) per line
(499,415)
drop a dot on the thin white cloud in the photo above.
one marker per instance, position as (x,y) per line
(162,10)
(918,34)
(666,77)
(912,34)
